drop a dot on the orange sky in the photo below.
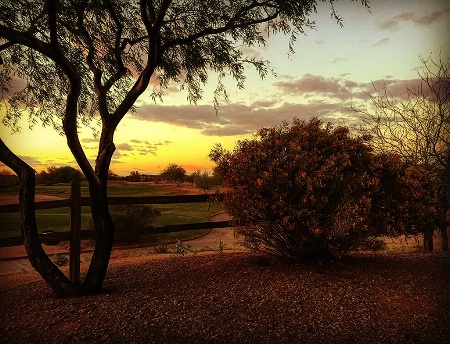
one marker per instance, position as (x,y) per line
(332,66)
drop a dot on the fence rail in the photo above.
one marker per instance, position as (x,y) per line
(90,234)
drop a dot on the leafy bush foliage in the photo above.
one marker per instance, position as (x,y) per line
(134,176)
(129,219)
(57,175)
(174,173)
(205,181)
(181,248)
(60,260)
(311,191)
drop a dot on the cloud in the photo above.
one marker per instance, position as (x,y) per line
(338,60)
(309,85)
(89,140)
(124,146)
(426,19)
(381,42)
(305,97)
(31,160)
(236,119)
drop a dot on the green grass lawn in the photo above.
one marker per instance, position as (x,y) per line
(58,219)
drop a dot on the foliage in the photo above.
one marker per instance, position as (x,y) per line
(205,181)
(220,246)
(415,124)
(8,180)
(60,260)
(112,175)
(58,175)
(310,190)
(134,176)
(174,173)
(181,248)
(129,219)
(161,249)
(191,177)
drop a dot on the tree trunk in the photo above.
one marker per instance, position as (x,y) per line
(104,228)
(60,284)
(444,242)
(428,241)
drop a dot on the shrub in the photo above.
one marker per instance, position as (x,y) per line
(129,219)
(174,173)
(311,191)
(60,260)
(181,248)
(161,249)
(57,175)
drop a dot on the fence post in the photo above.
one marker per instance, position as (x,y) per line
(75,231)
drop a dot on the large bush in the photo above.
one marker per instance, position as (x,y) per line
(130,219)
(57,175)
(310,191)
(174,173)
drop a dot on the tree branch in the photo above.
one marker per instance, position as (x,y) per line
(213,31)
(51,5)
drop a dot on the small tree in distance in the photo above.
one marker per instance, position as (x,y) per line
(57,175)
(205,181)
(174,173)
(134,176)
(311,191)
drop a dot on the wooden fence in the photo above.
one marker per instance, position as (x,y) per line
(75,234)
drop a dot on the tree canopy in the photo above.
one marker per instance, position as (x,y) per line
(415,124)
(174,173)
(56,175)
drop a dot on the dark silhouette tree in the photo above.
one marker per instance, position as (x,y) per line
(416,125)
(134,176)
(174,173)
(56,175)
(81,59)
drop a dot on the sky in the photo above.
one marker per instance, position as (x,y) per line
(332,68)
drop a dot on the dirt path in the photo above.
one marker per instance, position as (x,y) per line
(14,259)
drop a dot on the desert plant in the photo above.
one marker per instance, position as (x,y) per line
(161,249)
(60,260)
(174,173)
(181,248)
(129,219)
(312,191)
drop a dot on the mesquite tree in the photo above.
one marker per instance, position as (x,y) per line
(81,59)
(416,125)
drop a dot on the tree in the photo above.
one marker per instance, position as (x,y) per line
(191,178)
(97,58)
(416,126)
(57,175)
(311,191)
(205,181)
(134,176)
(174,173)
(112,175)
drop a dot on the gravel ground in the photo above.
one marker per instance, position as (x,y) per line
(240,297)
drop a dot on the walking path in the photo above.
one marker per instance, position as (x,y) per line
(14,260)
